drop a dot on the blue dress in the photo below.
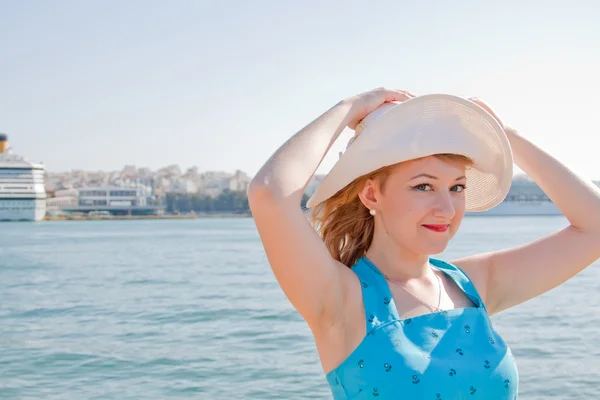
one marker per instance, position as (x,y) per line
(446,355)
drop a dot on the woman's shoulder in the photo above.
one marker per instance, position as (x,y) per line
(445,265)
(452,269)
(469,278)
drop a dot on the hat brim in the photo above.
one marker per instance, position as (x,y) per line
(424,126)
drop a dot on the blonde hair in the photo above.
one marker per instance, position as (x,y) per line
(345,224)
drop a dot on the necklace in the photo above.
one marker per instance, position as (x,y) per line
(434,309)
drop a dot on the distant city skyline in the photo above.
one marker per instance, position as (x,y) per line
(184,172)
(97,86)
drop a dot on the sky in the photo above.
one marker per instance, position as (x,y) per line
(220,85)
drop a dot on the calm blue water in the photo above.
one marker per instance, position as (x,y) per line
(190,310)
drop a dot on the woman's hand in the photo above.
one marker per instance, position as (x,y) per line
(364,103)
(487,108)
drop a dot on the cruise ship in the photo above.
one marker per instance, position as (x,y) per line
(22,192)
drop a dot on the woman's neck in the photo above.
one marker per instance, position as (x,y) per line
(397,263)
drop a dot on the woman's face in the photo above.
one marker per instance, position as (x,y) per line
(421,204)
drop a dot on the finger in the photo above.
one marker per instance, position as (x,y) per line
(406,93)
(480,103)
(410,94)
(397,95)
(487,108)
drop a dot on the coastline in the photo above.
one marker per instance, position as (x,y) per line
(138,217)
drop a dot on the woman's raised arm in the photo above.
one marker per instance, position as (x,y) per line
(311,279)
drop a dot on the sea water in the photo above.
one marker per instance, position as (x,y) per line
(189,309)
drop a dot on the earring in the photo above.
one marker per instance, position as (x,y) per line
(372,212)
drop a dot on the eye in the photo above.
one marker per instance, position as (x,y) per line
(422,187)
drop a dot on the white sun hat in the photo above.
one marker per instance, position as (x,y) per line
(424,126)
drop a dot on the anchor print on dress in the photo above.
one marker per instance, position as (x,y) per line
(486,364)
(375,392)
(452,372)
(387,367)
(472,390)
(415,379)
(386,300)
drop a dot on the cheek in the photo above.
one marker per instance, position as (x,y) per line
(400,208)
(402,223)
(459,207)
(459,215)
(406,211)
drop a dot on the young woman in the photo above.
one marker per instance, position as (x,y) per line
(389,320)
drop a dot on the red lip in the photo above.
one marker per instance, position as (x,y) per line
(437,228)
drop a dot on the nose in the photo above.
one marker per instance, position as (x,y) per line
(444,207)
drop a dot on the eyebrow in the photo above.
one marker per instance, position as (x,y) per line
(434,177)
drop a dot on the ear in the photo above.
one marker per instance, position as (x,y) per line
(369,194)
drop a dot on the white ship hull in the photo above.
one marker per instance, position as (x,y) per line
(22,210)
(22,191)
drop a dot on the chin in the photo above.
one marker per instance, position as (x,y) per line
(433,248)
